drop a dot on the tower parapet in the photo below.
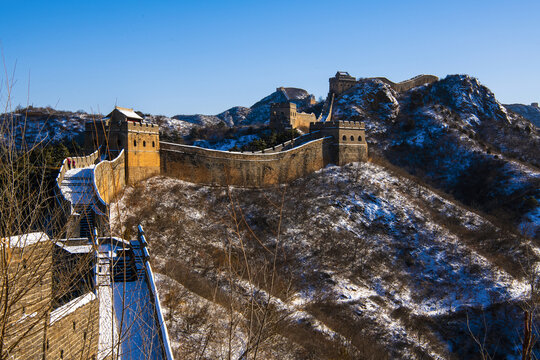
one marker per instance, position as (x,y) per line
(349,139)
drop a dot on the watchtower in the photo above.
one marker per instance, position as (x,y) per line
(348,139)
(282,115)
(124,129)
(285,116)
(341,82)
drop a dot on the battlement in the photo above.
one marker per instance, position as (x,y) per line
(342,124)
(142,126)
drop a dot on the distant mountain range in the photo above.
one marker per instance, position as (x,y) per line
(529,112)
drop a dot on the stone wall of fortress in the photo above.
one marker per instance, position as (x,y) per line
(409,84)
(34,330)
(214,167)
(303,120)
(110,177)
(75,335)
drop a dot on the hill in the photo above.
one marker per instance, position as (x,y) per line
(362,261)
(456,136)
(529,112)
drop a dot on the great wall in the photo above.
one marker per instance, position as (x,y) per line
(124,150)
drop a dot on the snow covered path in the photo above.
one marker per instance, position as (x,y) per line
(78,186)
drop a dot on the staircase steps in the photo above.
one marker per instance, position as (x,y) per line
(139,258)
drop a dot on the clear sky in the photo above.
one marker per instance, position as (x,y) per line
(184,57)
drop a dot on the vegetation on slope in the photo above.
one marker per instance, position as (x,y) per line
(354,262)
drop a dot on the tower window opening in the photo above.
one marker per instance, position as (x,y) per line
(153,144)
(359,138)
(144,143)
(352,138)
(344,138)
(134,142)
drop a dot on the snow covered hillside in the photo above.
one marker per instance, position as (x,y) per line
(529,112)
(44,125)
(359,261)
(257,114)
(455,135)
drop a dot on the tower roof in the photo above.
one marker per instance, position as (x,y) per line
(128,113)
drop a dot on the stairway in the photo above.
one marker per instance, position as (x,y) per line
(104,269)
(78,188)
(124,268)
(138,256)
(118,268)
(327,109)
(86,223)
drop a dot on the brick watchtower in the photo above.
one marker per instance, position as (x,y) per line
(125,129)
(349,140)
(341,82)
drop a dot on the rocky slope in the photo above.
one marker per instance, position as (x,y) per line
(455,135)
(529,112)
(361,261)
(43,126)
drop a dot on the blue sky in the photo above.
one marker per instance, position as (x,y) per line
(184,57)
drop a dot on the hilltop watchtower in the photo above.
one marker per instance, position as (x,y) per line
(341,82)
(124,129)
(285,116)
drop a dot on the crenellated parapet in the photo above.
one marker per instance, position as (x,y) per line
(349,139)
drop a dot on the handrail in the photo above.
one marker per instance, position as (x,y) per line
(153,291)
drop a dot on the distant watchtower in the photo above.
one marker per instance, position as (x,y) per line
(284,116)
(125,129)
(341,82)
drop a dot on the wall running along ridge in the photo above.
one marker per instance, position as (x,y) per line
(333,142)
(409,84)
(215,167)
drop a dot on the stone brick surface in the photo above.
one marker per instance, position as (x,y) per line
(28,328)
